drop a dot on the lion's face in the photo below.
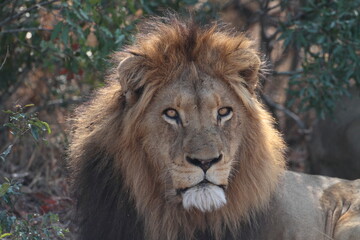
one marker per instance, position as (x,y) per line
(192,132)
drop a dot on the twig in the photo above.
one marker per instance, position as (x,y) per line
(273,36)
(24,30)
(4,2)
(265,5)
(14,7)
(10,18)
(58,102)
(289,113)
(273,7)
(14,87)
(6,56)
(14,142)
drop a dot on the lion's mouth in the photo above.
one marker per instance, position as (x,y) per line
(203,183)
(204,196)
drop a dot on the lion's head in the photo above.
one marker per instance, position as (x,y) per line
(178,136)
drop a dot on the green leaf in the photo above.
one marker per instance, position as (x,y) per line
(5,235)
(56,31)
(131,5)
(77,2)
(65,35)
(84,15)
(8,112)
(46,126)
(34,132)
(4,154)
(120,39)
(106,31)
(29,105)
(4,188)
(36,123)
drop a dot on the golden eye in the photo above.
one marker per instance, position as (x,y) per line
(171,113)
(225,111)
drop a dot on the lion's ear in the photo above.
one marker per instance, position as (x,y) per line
(131,70)
(250,72)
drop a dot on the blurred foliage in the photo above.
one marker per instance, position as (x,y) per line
(72,37)
(21,122)
(328,35)
(34,226)
(75,37)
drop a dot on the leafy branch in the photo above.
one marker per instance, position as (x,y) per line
(34,226)
(18,15)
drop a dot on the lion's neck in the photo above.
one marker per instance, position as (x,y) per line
(203,227)
(174,222)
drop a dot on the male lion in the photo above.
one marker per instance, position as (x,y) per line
(177,146)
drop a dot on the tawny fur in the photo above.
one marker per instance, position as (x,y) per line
(107,160)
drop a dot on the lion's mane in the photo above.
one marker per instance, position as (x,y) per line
(119,194)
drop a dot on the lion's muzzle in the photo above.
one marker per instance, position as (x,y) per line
(204,164)
(206,195)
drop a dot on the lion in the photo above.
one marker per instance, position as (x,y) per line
(178,146)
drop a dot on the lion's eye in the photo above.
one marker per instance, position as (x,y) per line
(171,115)
(225,111)
(224,114)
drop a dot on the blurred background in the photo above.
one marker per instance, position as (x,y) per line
(54,53)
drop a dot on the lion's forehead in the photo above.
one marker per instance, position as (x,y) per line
(192,92)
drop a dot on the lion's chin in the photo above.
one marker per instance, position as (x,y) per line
(205,197)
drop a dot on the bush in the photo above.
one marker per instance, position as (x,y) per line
(34,226)
(70,36)
(328,37)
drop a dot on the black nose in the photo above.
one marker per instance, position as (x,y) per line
(204,164)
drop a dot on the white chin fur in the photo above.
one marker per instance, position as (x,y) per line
(206,198)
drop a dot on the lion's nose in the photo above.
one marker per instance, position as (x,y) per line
(204,164)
